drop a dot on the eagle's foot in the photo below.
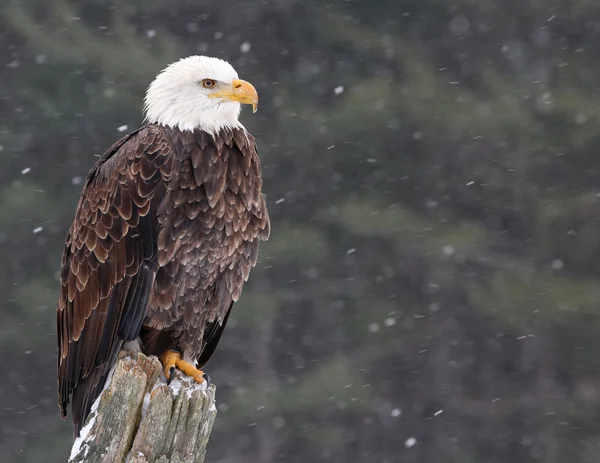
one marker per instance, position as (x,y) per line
(171,359)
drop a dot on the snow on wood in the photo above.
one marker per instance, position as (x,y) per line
(139,419)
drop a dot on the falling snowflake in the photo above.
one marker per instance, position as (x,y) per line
(390,321)
(448,250)
(278,422)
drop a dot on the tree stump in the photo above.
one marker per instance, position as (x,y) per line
(138,418)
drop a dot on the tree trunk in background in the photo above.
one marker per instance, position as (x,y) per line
(140,417)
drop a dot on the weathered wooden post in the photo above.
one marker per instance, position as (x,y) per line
(140,419)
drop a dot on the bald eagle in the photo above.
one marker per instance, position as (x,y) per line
(165,234)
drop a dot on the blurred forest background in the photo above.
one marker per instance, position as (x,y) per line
(430,292)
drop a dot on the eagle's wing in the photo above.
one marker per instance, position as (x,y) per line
(108,264)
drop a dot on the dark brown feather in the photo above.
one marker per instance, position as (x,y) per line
(95,269)
(164,237)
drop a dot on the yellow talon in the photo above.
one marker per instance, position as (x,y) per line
(172,359)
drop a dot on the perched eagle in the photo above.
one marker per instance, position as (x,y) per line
(165,234)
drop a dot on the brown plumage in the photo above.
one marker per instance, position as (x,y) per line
(164,237)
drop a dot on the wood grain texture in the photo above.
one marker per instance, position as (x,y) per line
(140,419)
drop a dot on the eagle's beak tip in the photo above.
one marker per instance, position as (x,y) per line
(245,93)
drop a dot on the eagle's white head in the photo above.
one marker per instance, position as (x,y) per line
(198,92)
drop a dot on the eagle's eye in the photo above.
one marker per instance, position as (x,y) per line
(208,83)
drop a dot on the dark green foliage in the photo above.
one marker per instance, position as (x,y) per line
(436,232)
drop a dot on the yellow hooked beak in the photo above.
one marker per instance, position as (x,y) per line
(241,91)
